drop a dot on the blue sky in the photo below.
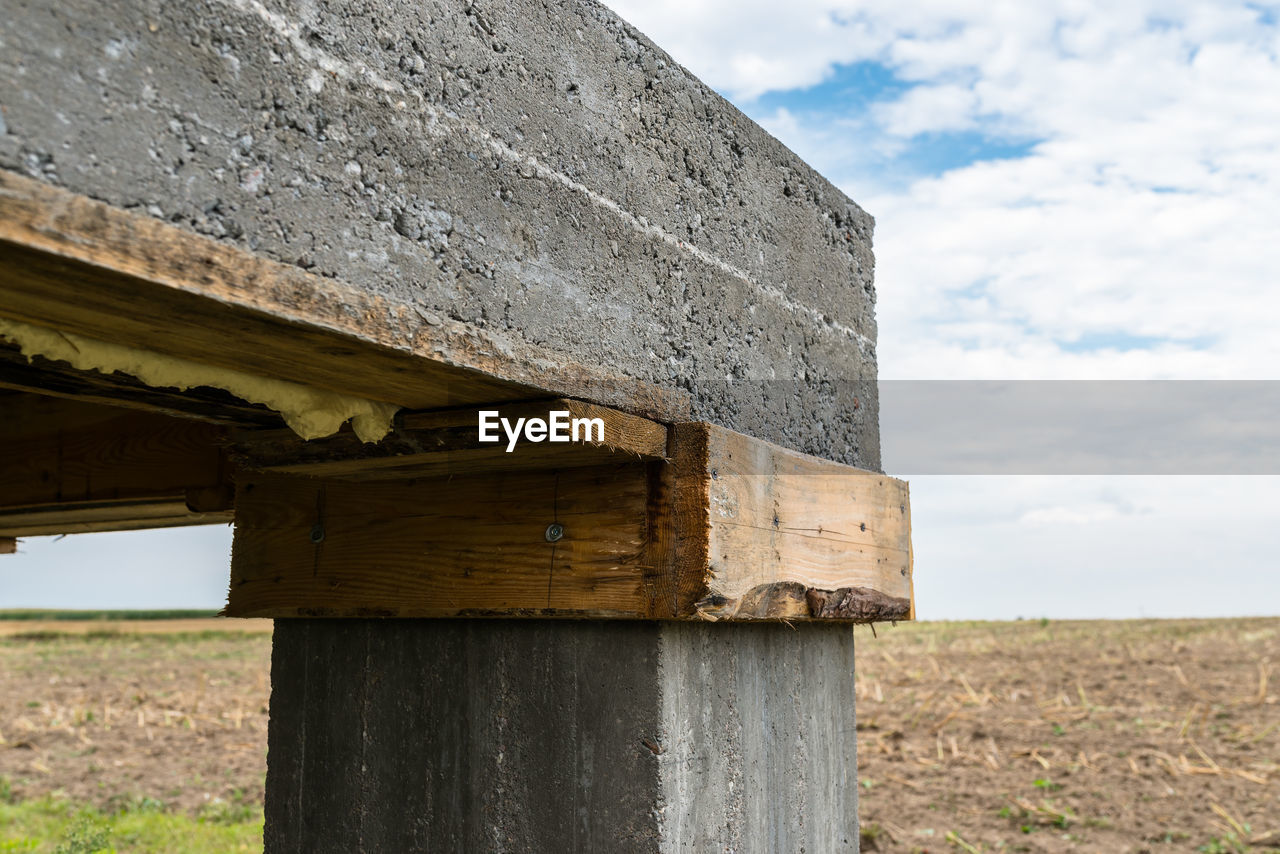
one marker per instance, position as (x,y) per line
(1063,190)
(851,91)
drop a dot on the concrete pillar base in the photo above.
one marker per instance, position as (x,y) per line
(560,736)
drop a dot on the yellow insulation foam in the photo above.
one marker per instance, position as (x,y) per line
(309,412)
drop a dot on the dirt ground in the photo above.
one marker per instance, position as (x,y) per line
(32,628)
(1100,737)
(1070,736)
(140,712)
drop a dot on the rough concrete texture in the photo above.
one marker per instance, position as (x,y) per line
(760,738)
(539,169)
(539,736)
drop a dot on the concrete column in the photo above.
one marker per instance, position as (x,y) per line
(561,736)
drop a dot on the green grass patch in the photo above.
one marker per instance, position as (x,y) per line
(52,826)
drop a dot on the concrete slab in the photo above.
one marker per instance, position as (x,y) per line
(542,171)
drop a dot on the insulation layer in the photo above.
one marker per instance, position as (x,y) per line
(310,412)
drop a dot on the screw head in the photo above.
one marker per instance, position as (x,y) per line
(555,532)
(317,533)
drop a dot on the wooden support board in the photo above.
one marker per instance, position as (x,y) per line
(723,527)
(71,467)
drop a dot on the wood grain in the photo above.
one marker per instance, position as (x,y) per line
(664,519)
(775,516)
(70,466)
(442,547)
(107,515)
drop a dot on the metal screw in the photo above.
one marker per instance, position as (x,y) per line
(555,532)
(317,533)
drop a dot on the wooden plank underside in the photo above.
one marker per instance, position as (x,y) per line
(71,467)
(78,265)
(724,528)
(100,516)
(430,444)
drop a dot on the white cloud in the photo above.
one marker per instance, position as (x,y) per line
(945,107)
(750,48)
(1147,207)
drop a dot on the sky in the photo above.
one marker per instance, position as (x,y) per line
(1062,191)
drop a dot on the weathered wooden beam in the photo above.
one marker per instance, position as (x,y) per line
(724,528)
(8,545)
(71,263)
(790,535)
(70,467)
(427,444)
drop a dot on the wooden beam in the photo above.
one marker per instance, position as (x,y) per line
(475,545)
(99,516)
(790,535)
(427,444)
(69,467)
(8,545)
(74,264)
(724,528)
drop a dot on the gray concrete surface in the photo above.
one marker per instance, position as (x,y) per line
(538,169)
(551,736)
